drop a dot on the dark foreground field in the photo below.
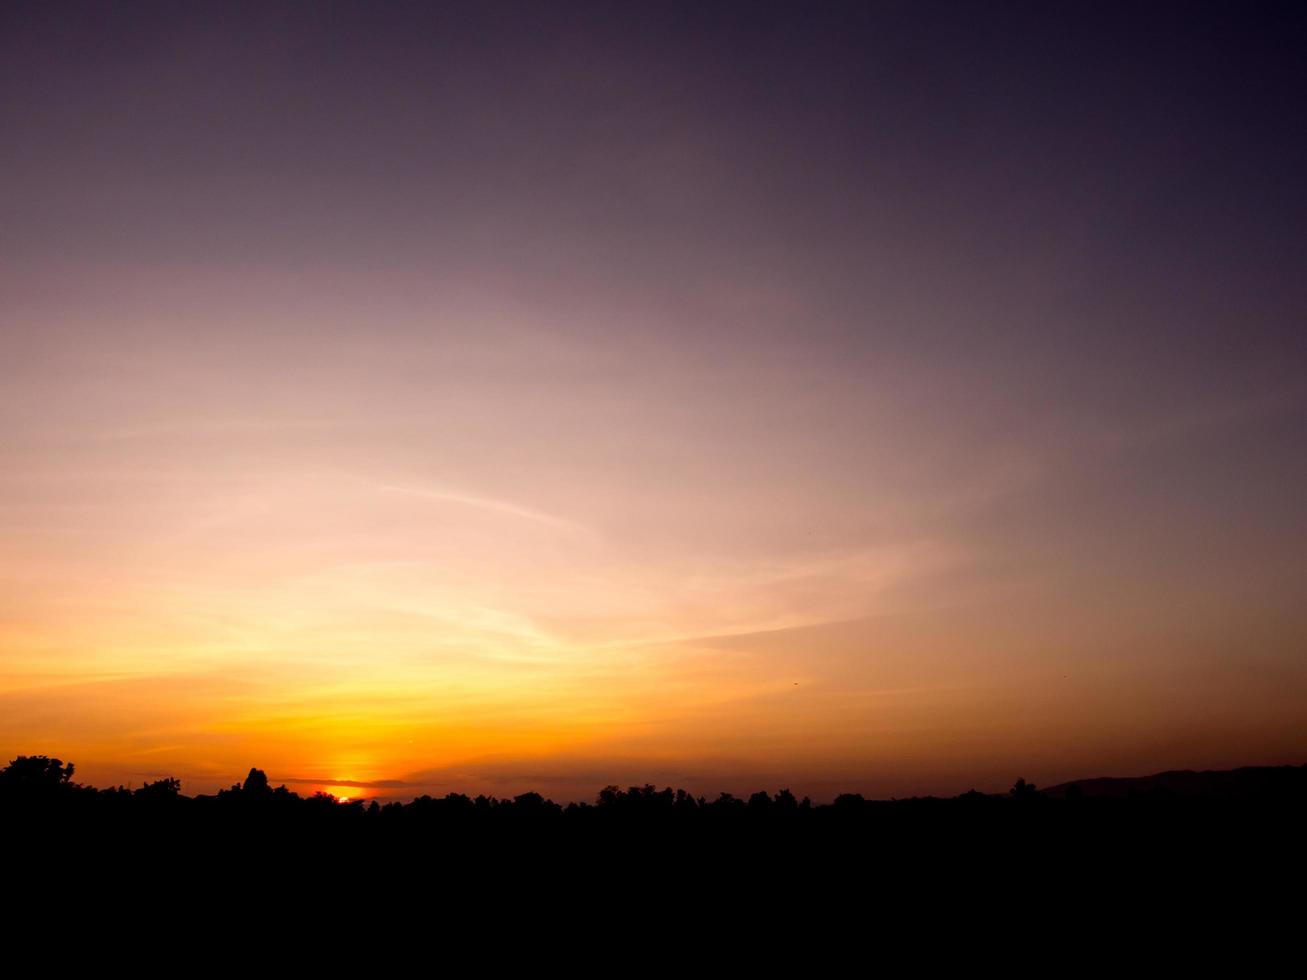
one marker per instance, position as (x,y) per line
(1175,871)
(1176,868)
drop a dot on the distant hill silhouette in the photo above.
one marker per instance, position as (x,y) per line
(1245,783)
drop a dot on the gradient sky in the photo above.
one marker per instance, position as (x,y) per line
(892,398)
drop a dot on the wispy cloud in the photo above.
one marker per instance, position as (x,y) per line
(483,503)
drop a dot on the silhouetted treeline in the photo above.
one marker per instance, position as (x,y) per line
(38,786)
(766,858)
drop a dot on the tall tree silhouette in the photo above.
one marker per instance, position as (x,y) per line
(36,774)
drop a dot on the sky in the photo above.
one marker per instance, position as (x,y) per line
(885,398)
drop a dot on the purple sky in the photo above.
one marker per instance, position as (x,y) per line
(872,397)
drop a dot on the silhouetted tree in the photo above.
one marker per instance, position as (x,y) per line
(849,802)
(35,774)
(256,783)
(1022,790)
(161,789)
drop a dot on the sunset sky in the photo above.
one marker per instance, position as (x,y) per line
(890,398)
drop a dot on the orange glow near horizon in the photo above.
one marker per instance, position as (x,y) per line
(541,673)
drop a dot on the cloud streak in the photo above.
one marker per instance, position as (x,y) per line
(488,504)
